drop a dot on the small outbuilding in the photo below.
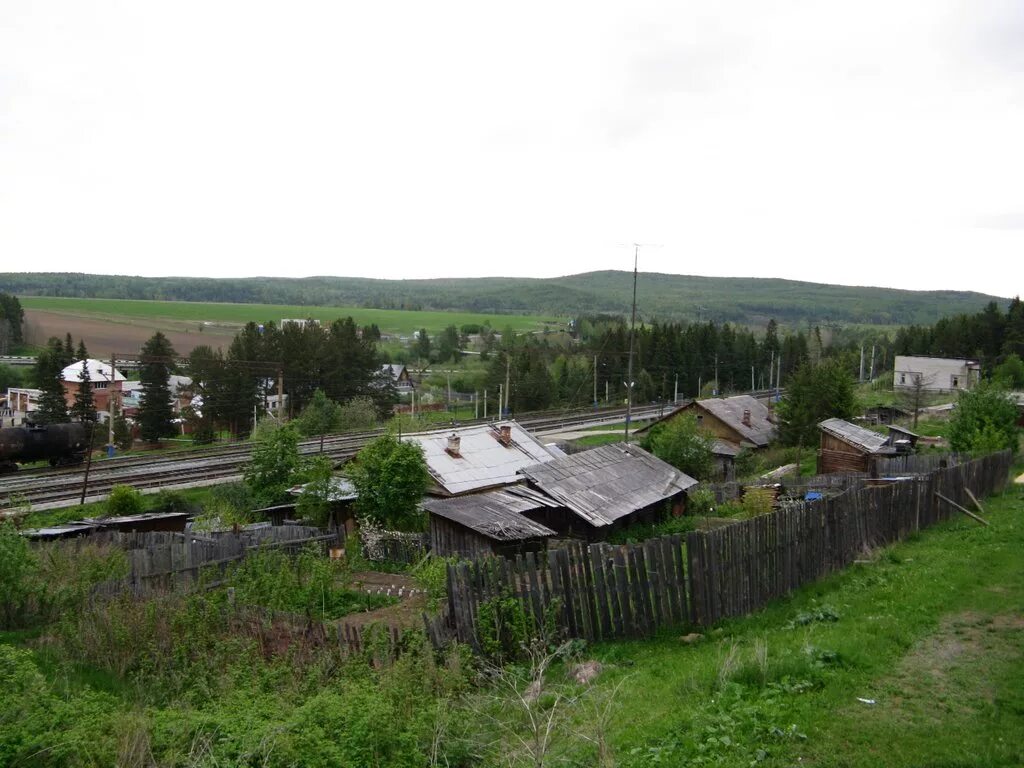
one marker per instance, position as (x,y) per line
(846,447)
(489,523)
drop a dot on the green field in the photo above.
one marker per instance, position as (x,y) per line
(388,320)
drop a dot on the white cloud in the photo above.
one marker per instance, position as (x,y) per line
(857,143)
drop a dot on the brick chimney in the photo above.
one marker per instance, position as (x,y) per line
(454,442)
(505,434)
(746,417)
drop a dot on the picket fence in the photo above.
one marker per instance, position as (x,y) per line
(601,591)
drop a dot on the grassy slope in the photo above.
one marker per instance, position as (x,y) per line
(933,632)
(395,321)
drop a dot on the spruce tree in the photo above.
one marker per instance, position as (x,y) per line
(84,407)
(69,351)
(82,353)
(49,367)
(155,410)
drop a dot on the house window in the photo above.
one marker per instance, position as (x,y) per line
(903,378)
(956,382)
(99,385)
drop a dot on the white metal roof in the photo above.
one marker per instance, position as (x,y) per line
(98,371)
(483,460)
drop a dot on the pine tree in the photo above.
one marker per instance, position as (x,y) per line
(82,353)
(84,407)
(155,410)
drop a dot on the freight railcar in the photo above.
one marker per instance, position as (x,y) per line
(60,444)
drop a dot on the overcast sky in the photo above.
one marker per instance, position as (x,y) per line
(877,143)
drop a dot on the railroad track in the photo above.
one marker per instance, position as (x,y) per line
(62,487)
(55,488)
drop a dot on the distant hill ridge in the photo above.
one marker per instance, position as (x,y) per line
(746,300)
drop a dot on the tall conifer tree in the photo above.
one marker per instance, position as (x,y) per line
(155,411)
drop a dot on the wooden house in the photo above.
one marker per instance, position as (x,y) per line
(846,447)
(479,502)
(605,488)
(742,420)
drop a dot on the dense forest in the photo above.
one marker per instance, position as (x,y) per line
(989,336)
(744,301)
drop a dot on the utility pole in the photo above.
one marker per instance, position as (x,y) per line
(860,377)
(778,375)
(280,395)
(595,381)
(88,461)
(632,325)
(752,387)
(110,406)
(675,392)
(871,376)
(716,375)
(606,393)
(499,401)
(771,370)
(485,404)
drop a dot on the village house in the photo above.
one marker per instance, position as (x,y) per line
(479,497)
(106,383)
(935,374)
(606,487)
(399,376)
(742,420)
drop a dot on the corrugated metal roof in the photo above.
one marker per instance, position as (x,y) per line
(730,410)
(494,514)
(865,439)
(609,482)
(483,460)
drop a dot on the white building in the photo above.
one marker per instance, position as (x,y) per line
(936,374)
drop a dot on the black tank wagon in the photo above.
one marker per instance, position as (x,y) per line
(60,444)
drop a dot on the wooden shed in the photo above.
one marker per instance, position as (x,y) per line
(487,523)
(845,447)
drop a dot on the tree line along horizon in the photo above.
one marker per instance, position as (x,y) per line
(344,362)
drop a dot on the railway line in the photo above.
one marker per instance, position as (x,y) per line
(43,489)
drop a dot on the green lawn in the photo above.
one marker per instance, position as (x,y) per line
(913,659)
(389,321)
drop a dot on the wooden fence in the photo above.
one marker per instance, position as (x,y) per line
(737,569)
(164,560)
(603,591)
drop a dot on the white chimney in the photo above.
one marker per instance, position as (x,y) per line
(746,417)
(454,441)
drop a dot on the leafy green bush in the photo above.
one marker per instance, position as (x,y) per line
(170,502)
(125,500)
(18,570)
(305,583)
(984,420)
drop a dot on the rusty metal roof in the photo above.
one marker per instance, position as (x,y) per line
(494,514)
(609,482)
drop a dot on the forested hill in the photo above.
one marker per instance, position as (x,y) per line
(681,297)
